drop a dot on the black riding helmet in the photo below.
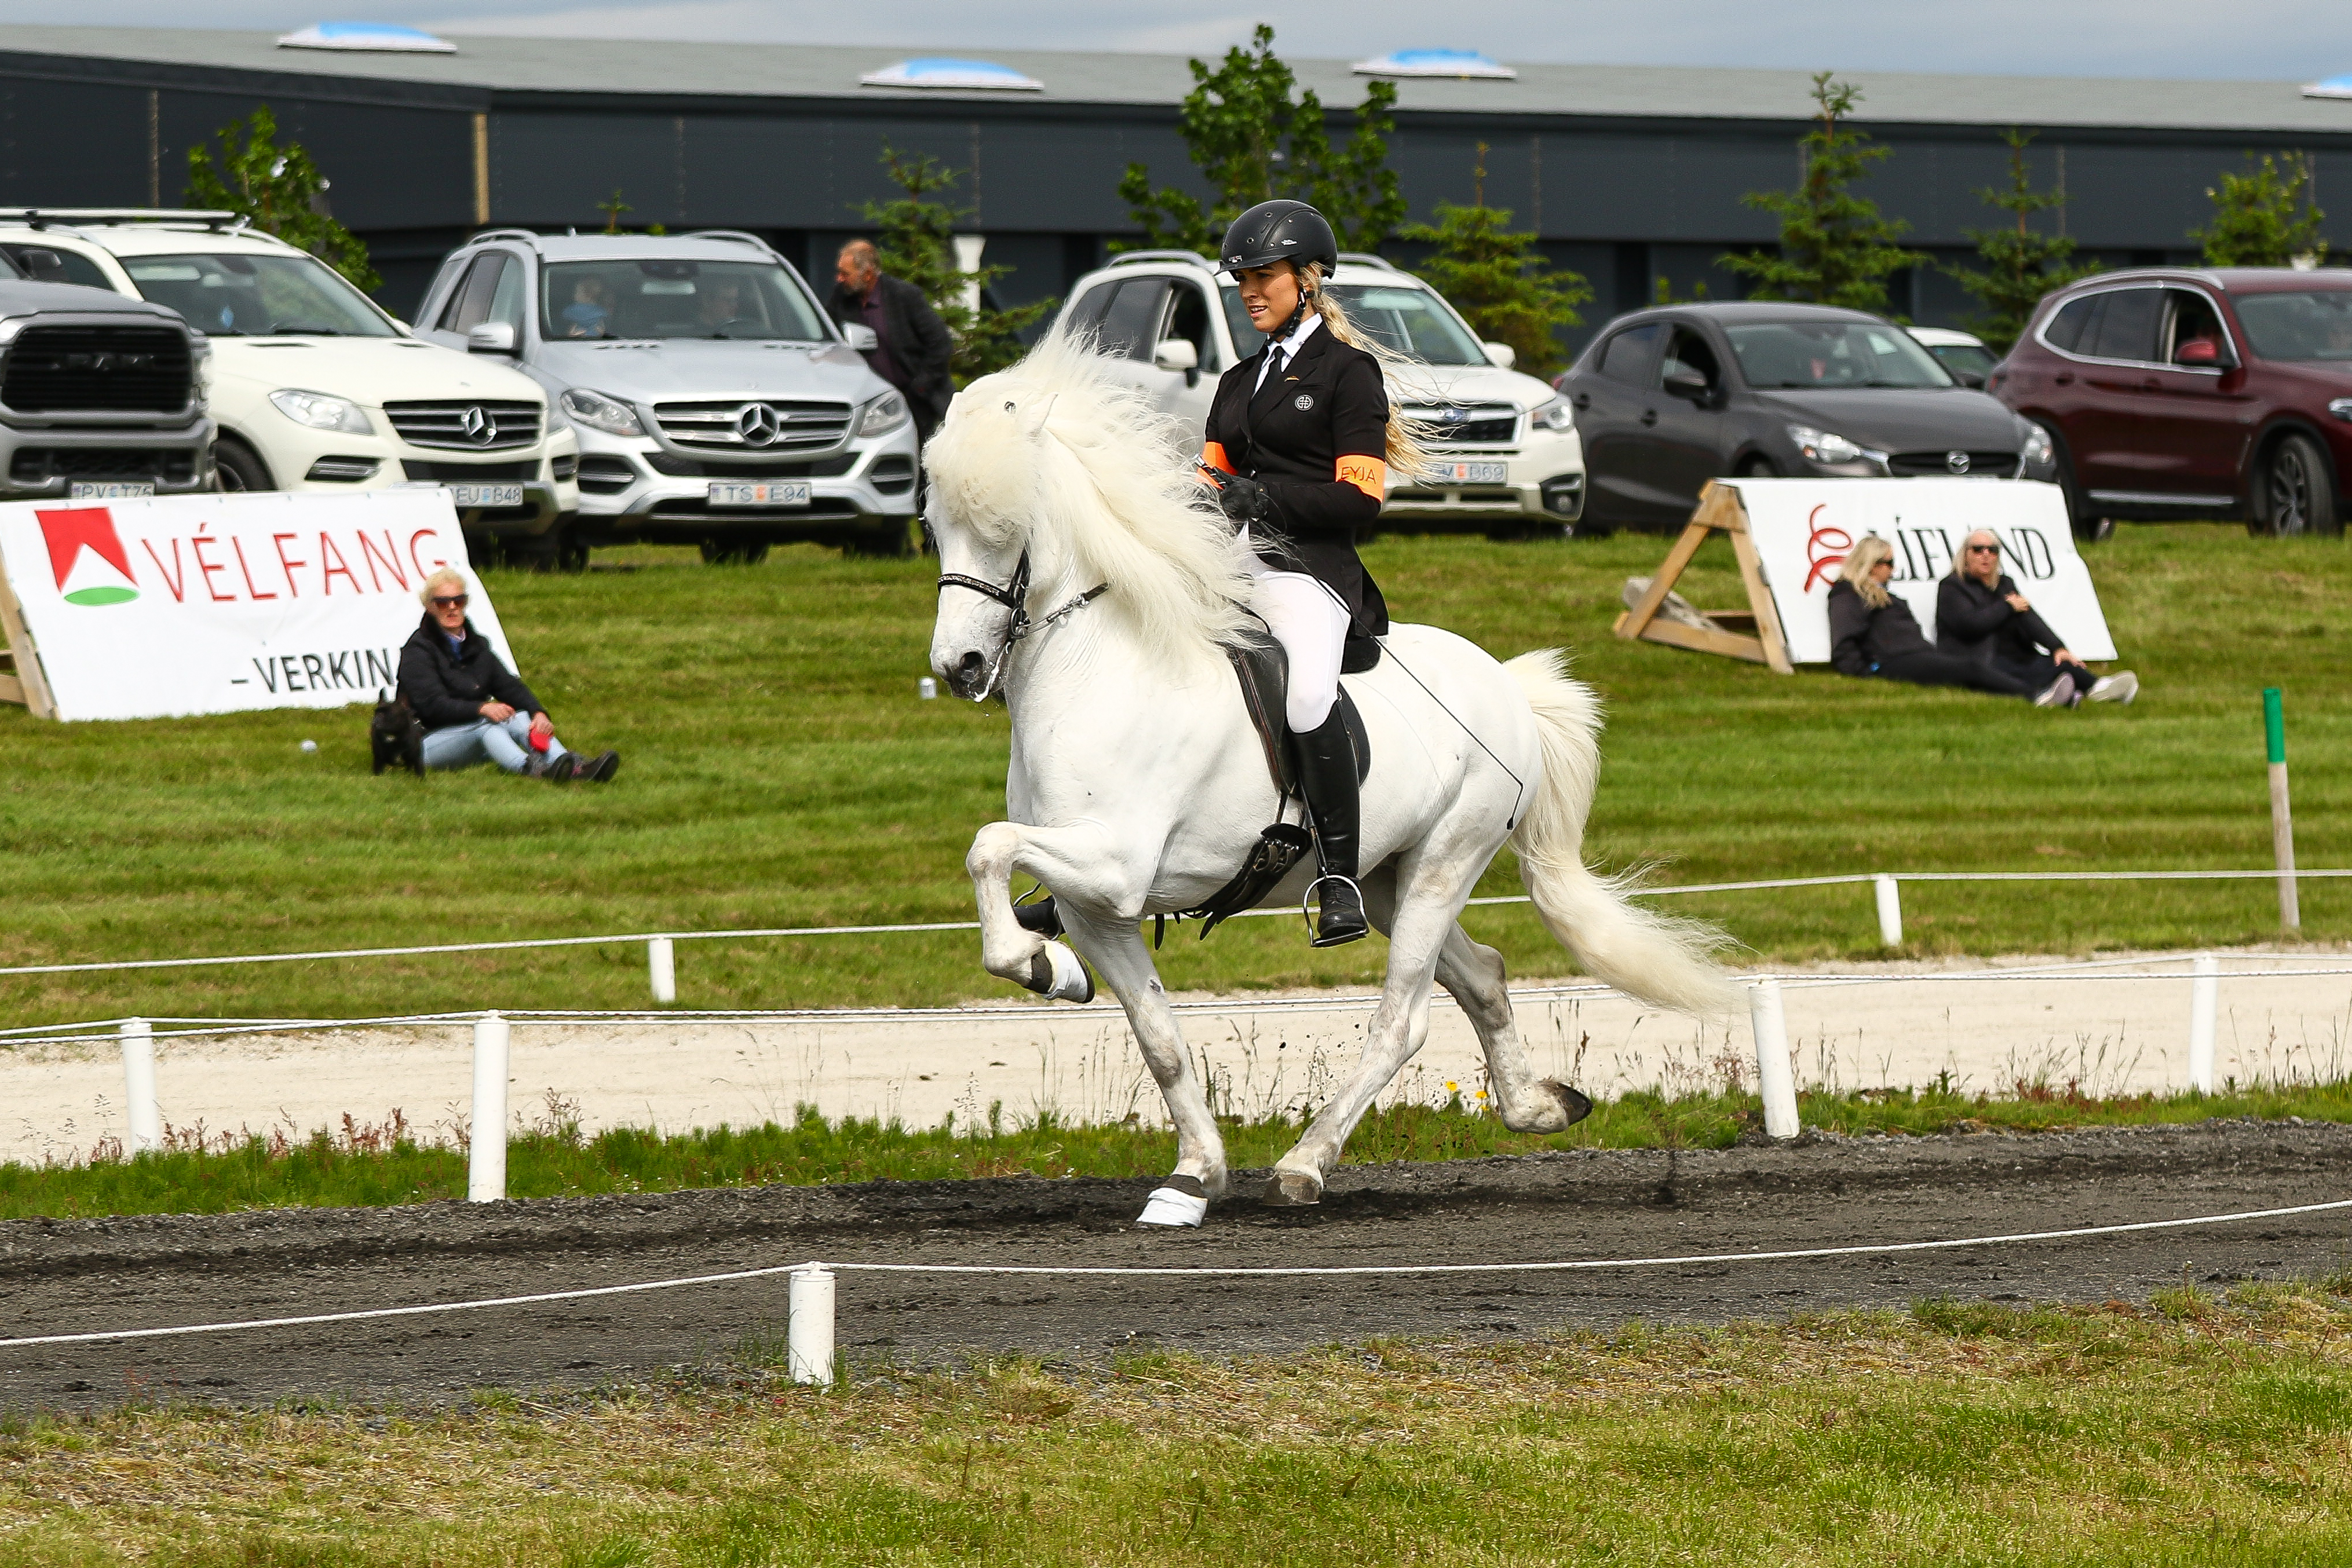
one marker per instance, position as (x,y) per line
(1280,230)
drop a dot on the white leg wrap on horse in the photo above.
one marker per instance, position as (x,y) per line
(1166,1205)
(1060,974)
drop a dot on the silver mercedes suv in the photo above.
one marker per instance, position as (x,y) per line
(715,400)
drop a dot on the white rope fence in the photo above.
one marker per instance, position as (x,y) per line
(809,1332)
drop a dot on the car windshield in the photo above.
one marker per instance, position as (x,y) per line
(231,296)
(1964,359)
(2312,324)
(1409,321)
(664,298)
(1788,354)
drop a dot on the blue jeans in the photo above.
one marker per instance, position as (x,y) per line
(508,744)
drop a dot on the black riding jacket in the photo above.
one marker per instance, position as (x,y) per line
(1976,622)
(1291,435)
(445,689)
(1862,638)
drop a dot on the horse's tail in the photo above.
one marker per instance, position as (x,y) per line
(1655,958)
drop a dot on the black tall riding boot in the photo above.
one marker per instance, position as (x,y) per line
(1327,771)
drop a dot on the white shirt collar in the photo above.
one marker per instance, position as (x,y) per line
(1290,343)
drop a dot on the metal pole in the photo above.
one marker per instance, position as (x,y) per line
(1774,1076)
(486,1163)
(139,1087)
(661,965)
(2204,1005)
(2282,819)
(1890,911)
(808,1325)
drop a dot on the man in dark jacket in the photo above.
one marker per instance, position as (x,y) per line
(472,707)
(915,347)
(1981,616)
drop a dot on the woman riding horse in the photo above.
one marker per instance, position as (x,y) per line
(1300,439)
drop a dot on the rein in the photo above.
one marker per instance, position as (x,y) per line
(1014,596)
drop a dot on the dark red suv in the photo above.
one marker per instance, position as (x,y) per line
(2193,393)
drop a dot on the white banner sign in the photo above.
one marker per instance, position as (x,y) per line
(1803,527)
(192,604)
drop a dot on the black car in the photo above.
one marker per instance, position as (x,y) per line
(1668,399)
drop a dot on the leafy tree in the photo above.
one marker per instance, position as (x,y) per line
(2020,266)
(2255,217)
(1835,248)
(915,239)
(1255,142)
(1507,293)
(280,190)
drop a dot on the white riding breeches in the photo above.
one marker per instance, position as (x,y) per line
(1311,623)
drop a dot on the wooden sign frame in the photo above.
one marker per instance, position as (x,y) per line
(1759,638)
(21,680)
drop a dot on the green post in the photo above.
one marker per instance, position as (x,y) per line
(2282,819)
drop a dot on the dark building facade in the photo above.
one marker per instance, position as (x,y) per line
(1630,176)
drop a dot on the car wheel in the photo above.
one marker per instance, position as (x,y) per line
(2085,526)
(2295,491)
(571,549)
(237,467)
(1756,468)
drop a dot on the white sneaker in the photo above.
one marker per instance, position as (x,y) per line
(2119,687)
(2061,694)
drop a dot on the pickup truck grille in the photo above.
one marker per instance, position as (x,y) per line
(764,426)
(466,425)
(1487,424)
(85,369)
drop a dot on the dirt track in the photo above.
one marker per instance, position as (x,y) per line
(69,1277)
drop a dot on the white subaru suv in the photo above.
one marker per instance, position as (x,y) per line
(314,387)
(1509,458)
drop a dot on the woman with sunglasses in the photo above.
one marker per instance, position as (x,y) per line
(1872,633)
(1981,616)
(472,707)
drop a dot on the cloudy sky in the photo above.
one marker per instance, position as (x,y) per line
(2264,39)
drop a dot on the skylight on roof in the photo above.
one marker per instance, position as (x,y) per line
(1435,63)
(983,76)
(377,37)
(2334,87)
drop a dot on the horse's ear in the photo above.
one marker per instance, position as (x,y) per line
(1034,425)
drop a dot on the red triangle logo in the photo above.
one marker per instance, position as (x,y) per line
(67,534)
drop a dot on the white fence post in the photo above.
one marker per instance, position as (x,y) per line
(139,1088)
(2204,1007)
(808,1327)
(1890,911)
(1773,1074)
(486,1163)
(661,965)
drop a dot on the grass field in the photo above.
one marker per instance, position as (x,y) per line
(780,771)
(2204,1430)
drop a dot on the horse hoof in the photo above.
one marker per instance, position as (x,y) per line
(1576,1104)
(1292,1189)
(1060,974)
(1173,1208)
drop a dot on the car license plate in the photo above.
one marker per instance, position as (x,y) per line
(1478,473)
(122,490)
(768,492)
(486,494)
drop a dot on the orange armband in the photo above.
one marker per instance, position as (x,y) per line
(1369,475)
(1213,454)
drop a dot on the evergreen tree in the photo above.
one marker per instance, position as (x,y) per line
(1835,248)
(915,239)
(1254,142)
(278,190)
(1508,293)
(2020,266)
(2254,219)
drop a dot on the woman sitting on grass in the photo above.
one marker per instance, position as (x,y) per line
(472,707)
(1872,633)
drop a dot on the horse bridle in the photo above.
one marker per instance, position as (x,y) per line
(1014,596)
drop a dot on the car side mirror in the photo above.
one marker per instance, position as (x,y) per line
(1687,383)
(491,338)
(1502,356)
(1175,354)
(2200,351)
(860,337)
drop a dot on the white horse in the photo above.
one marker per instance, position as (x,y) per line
(1086,576)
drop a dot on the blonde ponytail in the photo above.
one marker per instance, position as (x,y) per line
(1407,456)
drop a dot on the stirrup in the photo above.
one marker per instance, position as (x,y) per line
(1315,938)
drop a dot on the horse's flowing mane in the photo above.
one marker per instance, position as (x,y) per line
(1061,456)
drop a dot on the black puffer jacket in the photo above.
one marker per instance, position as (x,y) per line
(1860,638)
(445,689)
(1973,622)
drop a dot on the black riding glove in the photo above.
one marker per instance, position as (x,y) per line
(1243,500)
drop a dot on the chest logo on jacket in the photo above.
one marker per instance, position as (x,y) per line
(1303,401)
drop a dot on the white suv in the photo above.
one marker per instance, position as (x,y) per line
(1509,461)
(313,386)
